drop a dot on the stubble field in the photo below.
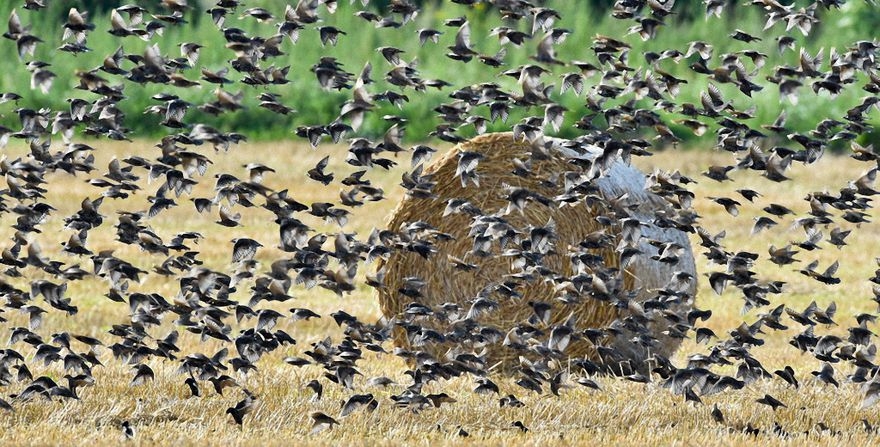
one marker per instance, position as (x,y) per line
(620,413)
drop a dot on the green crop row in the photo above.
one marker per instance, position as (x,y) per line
(314,105)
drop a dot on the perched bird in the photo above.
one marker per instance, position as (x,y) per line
(193,387)
(717,415)
(128,431)
(321,422)
(316,386)
(243,407)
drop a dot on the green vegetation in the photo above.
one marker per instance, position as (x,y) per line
(317,106)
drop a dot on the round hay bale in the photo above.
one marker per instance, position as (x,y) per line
(577,230)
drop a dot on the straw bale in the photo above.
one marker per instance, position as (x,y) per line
(444,283)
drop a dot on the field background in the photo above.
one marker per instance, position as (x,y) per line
(621,413)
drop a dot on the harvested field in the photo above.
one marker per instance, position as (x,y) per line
(162,413)
(231,224)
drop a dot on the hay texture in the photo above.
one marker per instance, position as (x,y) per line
(444,283)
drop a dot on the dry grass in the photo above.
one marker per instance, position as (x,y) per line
(621,413)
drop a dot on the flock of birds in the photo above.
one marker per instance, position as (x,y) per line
(623,93)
